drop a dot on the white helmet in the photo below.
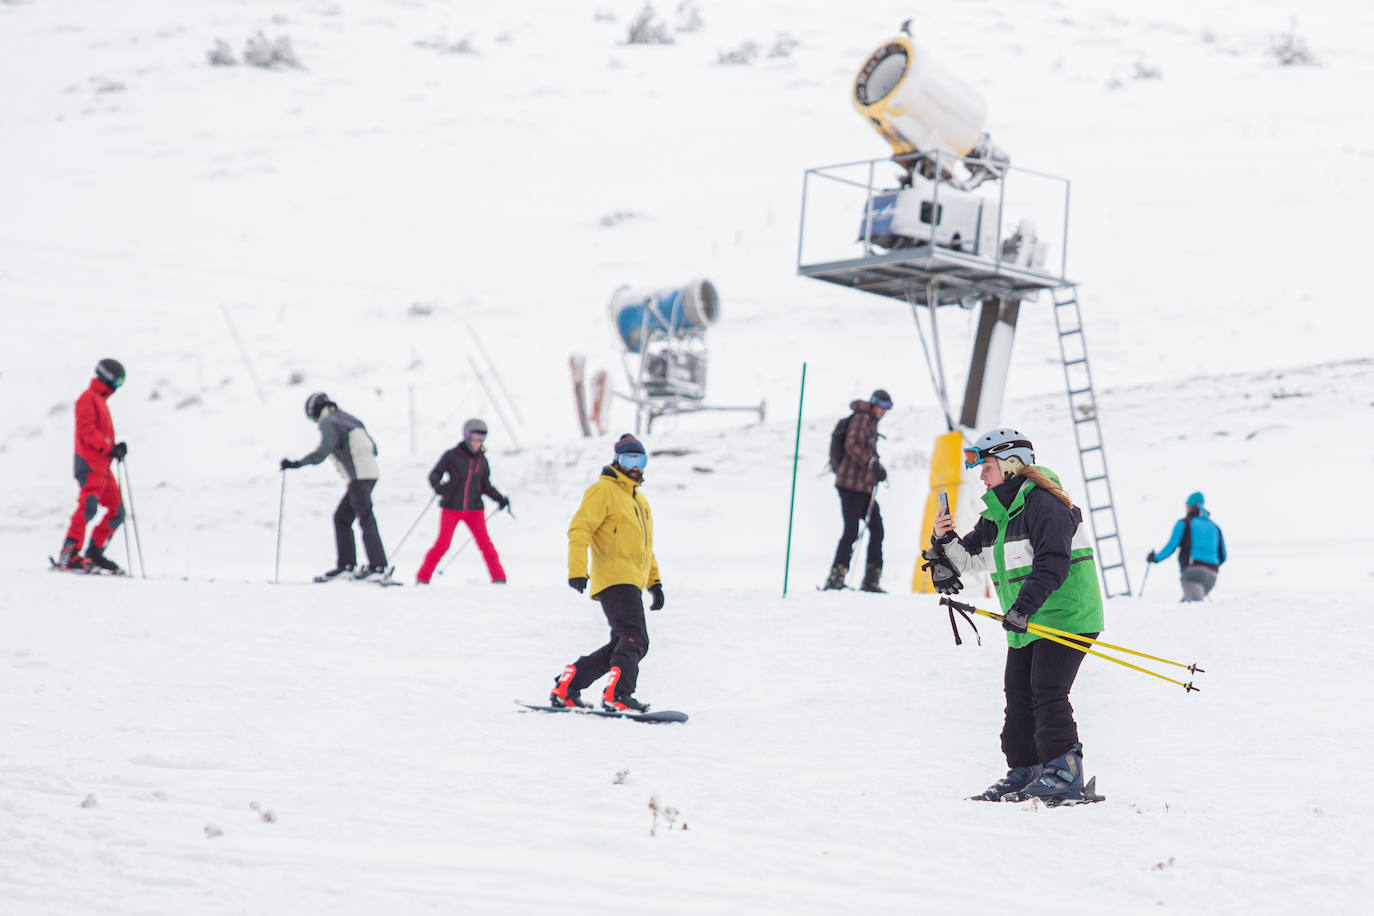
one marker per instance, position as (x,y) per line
(1000,443)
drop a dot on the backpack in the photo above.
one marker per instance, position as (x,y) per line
(837,442)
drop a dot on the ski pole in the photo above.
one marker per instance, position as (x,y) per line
(281,513)
(453,556)
(1077,641)
(128,551)
(1143,579)
(397,549)
(133,517)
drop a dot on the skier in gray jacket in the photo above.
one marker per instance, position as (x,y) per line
(343,438)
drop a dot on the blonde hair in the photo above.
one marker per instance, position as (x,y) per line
(1042,480)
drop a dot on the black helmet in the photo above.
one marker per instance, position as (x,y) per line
(881,399)
(315,405)
(111,372)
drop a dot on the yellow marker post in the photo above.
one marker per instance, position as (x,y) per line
(946,473)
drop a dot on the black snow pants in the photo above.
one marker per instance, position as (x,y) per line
(357,503)
(853,505)
(624,609)
(1039,720)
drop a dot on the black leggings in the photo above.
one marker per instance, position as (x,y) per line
(1039,720)
(624,608)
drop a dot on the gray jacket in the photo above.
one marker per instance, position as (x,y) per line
(343,438)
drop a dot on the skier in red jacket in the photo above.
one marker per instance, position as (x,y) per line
(95,449)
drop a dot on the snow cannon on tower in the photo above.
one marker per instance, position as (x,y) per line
(934,230)
(662,333)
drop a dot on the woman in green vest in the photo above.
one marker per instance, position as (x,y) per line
(1031,539)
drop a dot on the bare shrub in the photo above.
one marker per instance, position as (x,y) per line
(221,55)
(1289,49)
(741,56)
(463,45)
(783,45)
(270,54)
(1145,71)
(689,18)
(647,29)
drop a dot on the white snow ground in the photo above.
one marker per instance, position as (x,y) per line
(157,206)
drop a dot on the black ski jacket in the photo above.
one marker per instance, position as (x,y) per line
(469,478)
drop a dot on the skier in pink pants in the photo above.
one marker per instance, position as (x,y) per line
(461,478)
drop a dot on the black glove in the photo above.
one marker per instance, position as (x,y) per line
(879,472)
(505,503)
(578,584)
(1150,557)
(288,465)
(943,575)
(119,451)
(657,591)
(1016,619)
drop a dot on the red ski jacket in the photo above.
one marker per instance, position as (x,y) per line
(94,429)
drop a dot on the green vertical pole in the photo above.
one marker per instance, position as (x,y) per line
(792,500)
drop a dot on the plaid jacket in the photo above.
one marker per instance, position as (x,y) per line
(860,448)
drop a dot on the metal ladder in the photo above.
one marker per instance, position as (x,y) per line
(1092,458)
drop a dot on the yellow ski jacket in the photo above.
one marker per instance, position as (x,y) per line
(614,521)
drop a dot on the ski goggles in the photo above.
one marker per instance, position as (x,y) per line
(885,405)
(477,434)
(974,456)
(632,461)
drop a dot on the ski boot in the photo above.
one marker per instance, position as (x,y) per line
(563,694)
(96,556)
(836,580)
(1006,788)
(617,700)
(1061,782)
(71,558)
(334,573)
(376,569)
(871,576)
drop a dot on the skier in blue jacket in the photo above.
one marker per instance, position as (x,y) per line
(1201,549)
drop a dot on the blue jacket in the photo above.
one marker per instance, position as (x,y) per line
(1198,541)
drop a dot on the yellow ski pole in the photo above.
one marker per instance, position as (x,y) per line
(1064,639)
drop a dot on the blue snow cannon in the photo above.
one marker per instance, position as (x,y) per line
(641,315)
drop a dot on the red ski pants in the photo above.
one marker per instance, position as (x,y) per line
(448,521)
(96,490)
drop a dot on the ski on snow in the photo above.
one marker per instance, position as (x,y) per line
(1090,796)
(91,570)
(665,715)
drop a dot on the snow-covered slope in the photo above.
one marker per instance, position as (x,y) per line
(366,225)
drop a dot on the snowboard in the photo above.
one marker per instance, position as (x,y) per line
(663,715)
(91,570)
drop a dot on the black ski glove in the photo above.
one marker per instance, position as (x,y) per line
(657,591)
(578,584)
(119,451)
(288,465)
(1150,557)
(1016,619)
(505,503)
(943,575)
(879,472)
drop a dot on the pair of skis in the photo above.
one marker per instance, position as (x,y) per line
(88,570)
(596,415)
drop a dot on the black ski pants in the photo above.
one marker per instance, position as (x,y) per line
(1039,720)
(357,504)
(853,506)
(624,609)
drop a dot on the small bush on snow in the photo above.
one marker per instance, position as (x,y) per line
(646,29)
(1289,49)
(270,54)
(740,56)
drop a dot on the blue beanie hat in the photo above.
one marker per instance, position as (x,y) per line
(629,445)
(1194,500)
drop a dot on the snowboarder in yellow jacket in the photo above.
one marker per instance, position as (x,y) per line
(614,522)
